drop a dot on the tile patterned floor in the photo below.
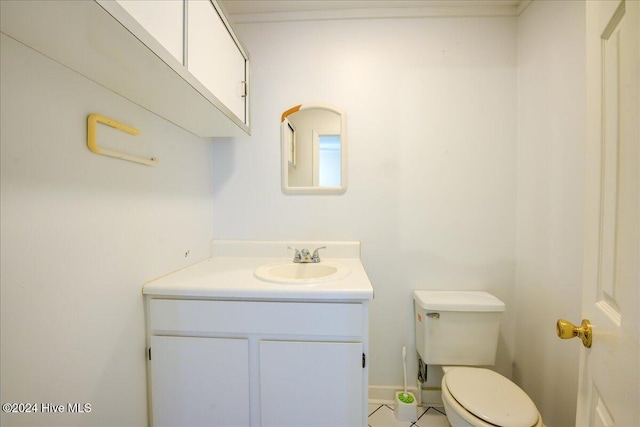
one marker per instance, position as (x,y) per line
(383,416)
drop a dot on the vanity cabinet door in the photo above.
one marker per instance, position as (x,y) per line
(311,384)
(163,19)
(214,58)
(197,381)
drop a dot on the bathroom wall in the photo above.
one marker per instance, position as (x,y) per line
(551,138)
(80,234)
(431,130)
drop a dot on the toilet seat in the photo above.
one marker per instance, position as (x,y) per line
(490,397)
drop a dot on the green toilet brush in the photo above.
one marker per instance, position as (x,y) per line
(406,408)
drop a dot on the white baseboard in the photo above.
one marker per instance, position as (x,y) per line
(385,395)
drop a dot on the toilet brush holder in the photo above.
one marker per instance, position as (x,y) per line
(406,408)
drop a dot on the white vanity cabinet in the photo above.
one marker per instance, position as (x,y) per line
(142,50)
(311,383)
(257,363)
(197,380)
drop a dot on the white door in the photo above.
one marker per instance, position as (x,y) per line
(199,381)
(610,370)
(311,384)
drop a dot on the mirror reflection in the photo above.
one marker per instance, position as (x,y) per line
(313,149)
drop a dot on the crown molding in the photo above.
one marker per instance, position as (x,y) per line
(379,13)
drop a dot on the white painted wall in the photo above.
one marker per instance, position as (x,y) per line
(551,134)
(80,234)
(431,128)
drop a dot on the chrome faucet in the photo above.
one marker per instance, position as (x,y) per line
(303,256)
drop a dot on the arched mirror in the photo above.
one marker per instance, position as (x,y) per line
(314,149)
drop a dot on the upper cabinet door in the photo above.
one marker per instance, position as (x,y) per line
(214,56)
(163,19)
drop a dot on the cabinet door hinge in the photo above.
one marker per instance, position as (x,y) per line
(364,359)
(149,353)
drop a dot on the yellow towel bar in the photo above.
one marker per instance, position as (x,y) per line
(92,122)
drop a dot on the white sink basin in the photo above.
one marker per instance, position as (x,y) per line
(301,273)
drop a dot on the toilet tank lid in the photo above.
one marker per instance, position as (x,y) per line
(458,301)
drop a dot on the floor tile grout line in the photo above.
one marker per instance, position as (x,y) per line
(376,410)
(415,423)
(423,411)
(437,410)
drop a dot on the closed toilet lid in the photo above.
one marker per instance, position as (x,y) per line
(491,397)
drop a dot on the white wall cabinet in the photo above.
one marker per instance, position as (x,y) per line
(257,363)
(163,19)
(223,73)
(138,50)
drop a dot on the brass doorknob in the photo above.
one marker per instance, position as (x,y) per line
(568,330)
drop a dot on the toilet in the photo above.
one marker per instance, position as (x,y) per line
(459,331)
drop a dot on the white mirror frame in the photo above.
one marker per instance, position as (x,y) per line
(285,135)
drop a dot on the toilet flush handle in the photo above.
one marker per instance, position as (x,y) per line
(567,330)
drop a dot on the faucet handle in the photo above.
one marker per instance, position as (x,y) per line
(296,257)
(316,256)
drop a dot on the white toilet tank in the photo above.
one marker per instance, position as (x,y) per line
(457,327)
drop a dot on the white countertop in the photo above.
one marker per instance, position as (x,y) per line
(232,277)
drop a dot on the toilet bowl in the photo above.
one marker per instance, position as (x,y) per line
(461,328)
(478,397)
